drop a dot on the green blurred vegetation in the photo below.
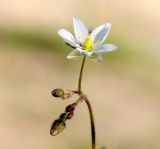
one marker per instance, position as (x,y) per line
(34,39)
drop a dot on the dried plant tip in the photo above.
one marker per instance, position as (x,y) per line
(71,107)
(57,127)
(70,115)
(57,92)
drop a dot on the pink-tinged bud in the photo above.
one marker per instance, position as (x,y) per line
(70,115)
(71,107)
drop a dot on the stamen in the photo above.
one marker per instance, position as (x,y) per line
(87,44)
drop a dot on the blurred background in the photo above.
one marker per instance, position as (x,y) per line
(124,89)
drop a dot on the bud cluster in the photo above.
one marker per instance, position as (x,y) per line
(59,124)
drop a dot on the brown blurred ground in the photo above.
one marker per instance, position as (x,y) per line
(124,92)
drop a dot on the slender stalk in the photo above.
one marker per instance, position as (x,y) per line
(80,75)
(93,134)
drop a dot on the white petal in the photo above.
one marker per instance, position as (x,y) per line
(99,34)
(105,48)
(80,29)
(67,36)
(96,57)
(83,52)
(75,54)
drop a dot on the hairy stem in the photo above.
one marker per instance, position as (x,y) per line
(93,134)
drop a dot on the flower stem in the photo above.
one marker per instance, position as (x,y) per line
(93,134)
(80,75)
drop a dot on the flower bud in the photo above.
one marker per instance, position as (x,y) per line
(70,115)
(57,127)
(71,107)
(63,117)
(57,92)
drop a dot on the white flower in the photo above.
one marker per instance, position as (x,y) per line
(87,43)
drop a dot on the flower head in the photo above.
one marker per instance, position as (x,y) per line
(86,42)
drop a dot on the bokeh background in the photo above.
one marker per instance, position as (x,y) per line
(124,89)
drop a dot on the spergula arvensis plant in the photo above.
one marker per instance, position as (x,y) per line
(85,43)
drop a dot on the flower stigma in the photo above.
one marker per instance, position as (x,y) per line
(87,44)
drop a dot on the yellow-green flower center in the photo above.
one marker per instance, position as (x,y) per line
(87,44)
